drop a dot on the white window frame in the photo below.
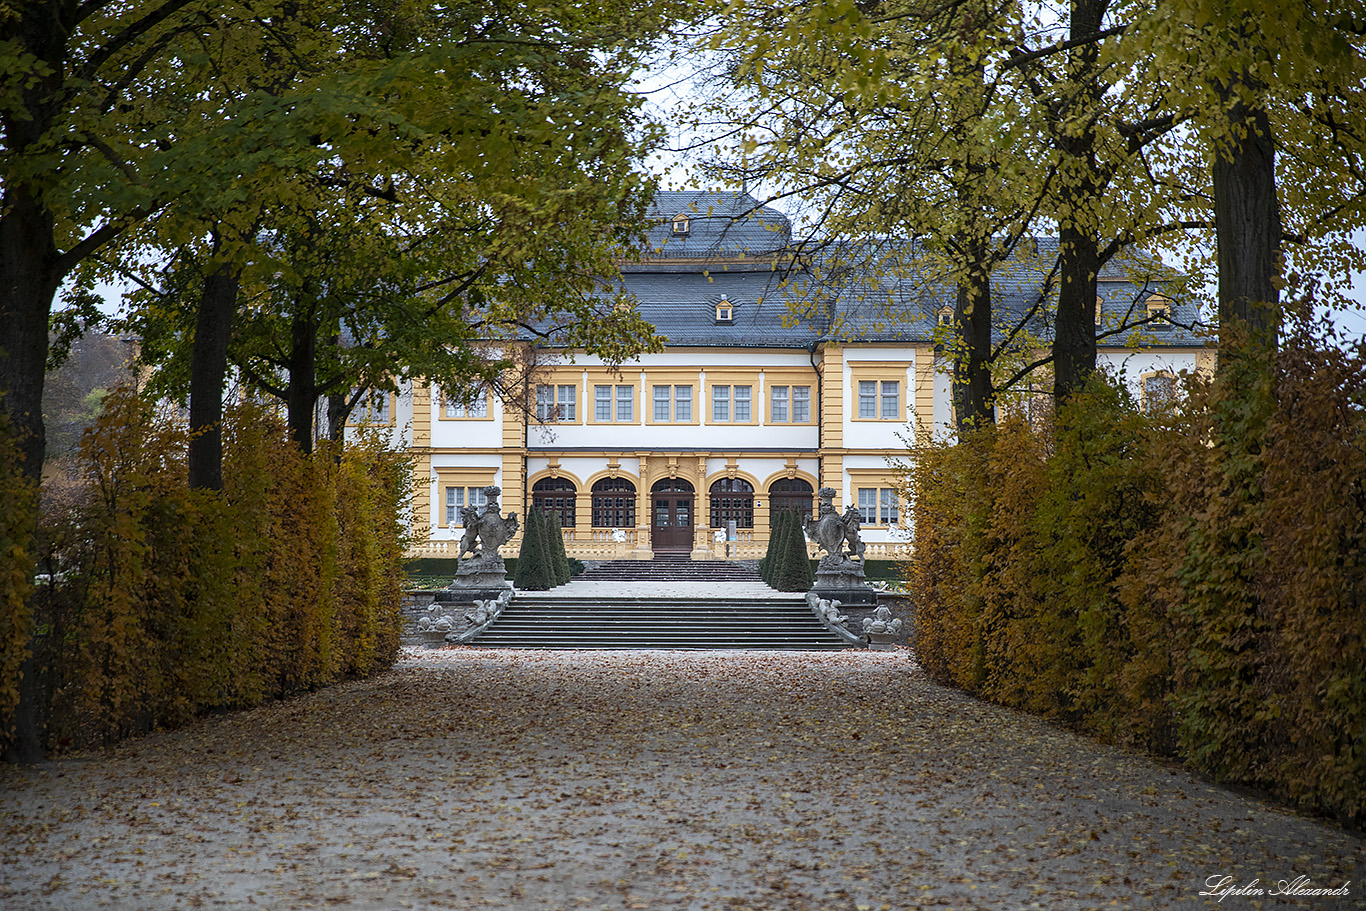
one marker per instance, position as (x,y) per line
(477,409)
(892,413)
(556,403)
(867,400)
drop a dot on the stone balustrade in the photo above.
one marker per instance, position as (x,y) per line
(602,544)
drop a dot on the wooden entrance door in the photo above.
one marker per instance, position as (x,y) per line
(671,529)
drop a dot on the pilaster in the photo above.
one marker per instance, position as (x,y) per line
(832,420)
(924,391)
(514,469)
(422,461)
(645,506)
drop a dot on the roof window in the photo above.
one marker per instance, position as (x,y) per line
(725,310)
(1159,311)
(680,224)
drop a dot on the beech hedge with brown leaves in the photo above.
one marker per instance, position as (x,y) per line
(1190,581)
(156,603)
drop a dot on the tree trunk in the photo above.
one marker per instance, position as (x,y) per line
(30,273)
(1248,227)
(28,281)
(972,386)
(1074,328)
(208,371)
(337,413)
(301,393)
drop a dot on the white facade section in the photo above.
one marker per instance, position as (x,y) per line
(879,397)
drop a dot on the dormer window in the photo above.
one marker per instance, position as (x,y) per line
(725,311)
(1100,310)
(680,225)
(1159,311)
(946,316)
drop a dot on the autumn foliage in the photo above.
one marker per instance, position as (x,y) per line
(156,603)
(1190,580)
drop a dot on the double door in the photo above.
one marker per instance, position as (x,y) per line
(671,527)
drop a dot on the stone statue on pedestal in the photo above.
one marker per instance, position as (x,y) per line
(483,575)
(839,574)
(485,529)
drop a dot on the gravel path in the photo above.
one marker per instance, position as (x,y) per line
(645,780)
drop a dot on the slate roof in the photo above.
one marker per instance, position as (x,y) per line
(682,307)
(877,292)
(721,225)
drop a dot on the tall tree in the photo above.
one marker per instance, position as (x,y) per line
(73,177)
(1270,90)
(79,164)
(965,126)
(884,120)
(184,125)
(465,202)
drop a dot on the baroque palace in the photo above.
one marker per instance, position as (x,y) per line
(745,413)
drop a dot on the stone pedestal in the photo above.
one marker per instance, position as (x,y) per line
(842,579)
(477,579)
(882,629)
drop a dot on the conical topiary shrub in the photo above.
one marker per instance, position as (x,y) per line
(773,560)
(794,574)
(774,530)
(534,563)
(555,533)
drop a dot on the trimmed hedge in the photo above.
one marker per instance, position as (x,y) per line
(535,560)
(159,603)
(18,506)
(1192,582)
(792,572)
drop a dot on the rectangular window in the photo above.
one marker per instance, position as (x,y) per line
(790,404)
(891,400)
(457,497)
(731,403)
(478,407)
(1159,391)
(372,408)
(889,504)
(867,505)
(555,403)
(662,401)
(603,411)
(683,404)
(566,403)
(778,404)
(742,403)
(878,506)
(867,399)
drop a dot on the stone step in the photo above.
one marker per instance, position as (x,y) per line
(718,623)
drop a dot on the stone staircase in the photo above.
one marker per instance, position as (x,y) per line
(534,622)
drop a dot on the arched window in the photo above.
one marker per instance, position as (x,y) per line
(555,496)
(789,495)
(732,499)
(614,503)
